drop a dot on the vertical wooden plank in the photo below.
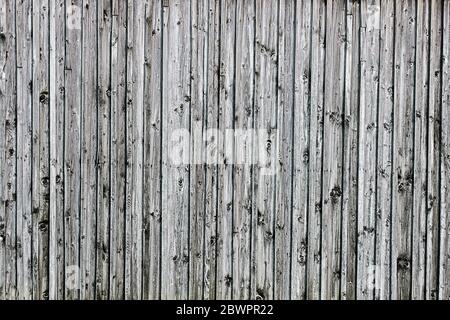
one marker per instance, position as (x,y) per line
(242,211)
(118,151)
(24,112)
(8,100)
(197,99)
(88,199)
(333,146)
(104,28)
(367,141)
(444,254)
(224,280)
(72,149)
(385,152)
(3,85)
(403,174)
(434,145)
(211,146)
(57,94)
(176,114)
(314,254)
(265,113)
(135,128)
(298,113)
(351,149)
(40,149)
(420,150)
(152,151)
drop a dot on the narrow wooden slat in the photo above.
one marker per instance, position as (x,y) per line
(314,254)
(444,254)
(175,175)
(367,136)
(420,150)
(211,151)
(135,128)
(333,155)
(57,105)
(434,140)
(8,100)
(351,149)
(72,150)
(350,170)
(199,24)
(3,85)
(118,155)
(265,149)
(243,116)
(224,255)
(24,96)
(298,119)
(403,174)
(88,178)
(104,28)
(385,152)
(40,149)
(152,155)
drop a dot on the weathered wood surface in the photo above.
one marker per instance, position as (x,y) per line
(224,149)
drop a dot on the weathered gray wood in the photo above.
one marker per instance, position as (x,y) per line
(40,149)
(24,116)
(367,142)
(198,71)
(118,151)
(286,87)
(224,255)
(433,153)
(135,128)
(314,254)
(72,154)
(243,117)
(420,150)
(57,129)
(103,186)
(351,136)
(333,143)
(265,149)
(403,174)
(8,99)
(341,194)
(444,254)
(211,150)
(152,155)
(385,152)
(3,85)
(298,124)
(88,177)
(175,174)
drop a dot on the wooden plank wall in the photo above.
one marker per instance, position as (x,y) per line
(120,177)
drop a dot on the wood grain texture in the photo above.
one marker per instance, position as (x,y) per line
(40,150)
(224,149)
(175,164)
(24,167)
(265,149)
(351,151)
(57,128)
(225,145)
(403,146)
(152,156)
(103,185)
